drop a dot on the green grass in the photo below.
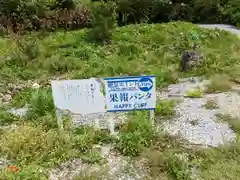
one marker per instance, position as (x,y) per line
(195,93)
(22,98)
(135,135)
(7,118)
(218,83)
(30,146)
(165,108)
(233,122)
(135,49)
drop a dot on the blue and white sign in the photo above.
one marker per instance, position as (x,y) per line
(130,93)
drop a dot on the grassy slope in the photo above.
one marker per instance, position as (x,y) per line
(136,49)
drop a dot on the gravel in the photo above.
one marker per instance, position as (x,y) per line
(19,111)
(103,118)
(197,124)
(116,168)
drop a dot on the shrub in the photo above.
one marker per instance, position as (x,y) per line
(92,156)
(135,135)
(58,18)
(218,83)
(195,93)
(31,172)
(6,117)
(41,104)
(103,21)
(133,11)
(178,166)
(28,145)
(165,108)
(130,143)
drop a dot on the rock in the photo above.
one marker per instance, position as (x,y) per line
(35,86)
(19,112)
(7,97)
(4,163)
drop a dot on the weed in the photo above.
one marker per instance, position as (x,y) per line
(165,108)
(7,117)
(83,142)
(22,98)
(218,84)
(221,162)
(144,42)
(92,156)
(195,93)
(211,104)
(104,137)
(135,135)
(48,121)
(178,166)
(41,103)
(28,144)
(233,122)
(130,143)
(31,172)
(156,162)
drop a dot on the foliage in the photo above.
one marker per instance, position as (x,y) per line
(6,117)
(165,108)
(93,156)
(233,122)
(219,83)
(178,166)
(144,48)
(28,144)
(31,172)
(41,103)
(135,135)
(53,14)
(103,21)
(195,93)
(22,98)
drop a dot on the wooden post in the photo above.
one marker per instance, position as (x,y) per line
(152,117)
(59,117)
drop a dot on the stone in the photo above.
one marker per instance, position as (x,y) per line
(4,163)
(19,112)
(35,86)
(7,97)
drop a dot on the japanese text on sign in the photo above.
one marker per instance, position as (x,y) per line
(130,93)
(78,96)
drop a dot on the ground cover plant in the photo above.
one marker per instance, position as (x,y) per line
(36,143)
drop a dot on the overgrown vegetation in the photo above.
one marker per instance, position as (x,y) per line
(218,84)
(233,122)
(49,15)
(144,48)
(36,143)
(135,135)
(165,108)
(195,93)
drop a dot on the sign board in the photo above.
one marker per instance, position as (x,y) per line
(78,96)
(130,93)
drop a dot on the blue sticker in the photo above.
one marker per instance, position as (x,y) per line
(145,84)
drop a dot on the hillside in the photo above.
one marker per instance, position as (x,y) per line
(33,143)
